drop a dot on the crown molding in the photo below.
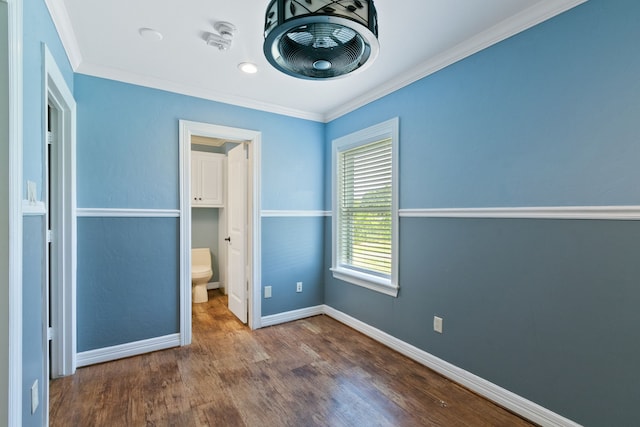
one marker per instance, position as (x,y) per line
(522,21)
(62,22)
(96,70)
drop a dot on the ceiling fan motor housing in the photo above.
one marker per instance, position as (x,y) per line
(320,39)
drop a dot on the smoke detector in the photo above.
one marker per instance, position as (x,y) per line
(223,39)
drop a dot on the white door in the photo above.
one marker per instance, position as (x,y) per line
(237,231)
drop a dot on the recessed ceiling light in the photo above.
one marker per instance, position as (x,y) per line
(248,67)
(150,34)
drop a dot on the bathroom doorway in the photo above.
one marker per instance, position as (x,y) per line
(246,286)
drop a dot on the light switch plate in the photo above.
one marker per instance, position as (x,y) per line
(34,397)
(437,324)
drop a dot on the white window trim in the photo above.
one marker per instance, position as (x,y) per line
(389,128)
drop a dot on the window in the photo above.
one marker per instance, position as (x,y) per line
(365,208)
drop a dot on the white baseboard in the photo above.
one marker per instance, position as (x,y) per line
(107,354)
(521,406)
(290,316)
(213,285)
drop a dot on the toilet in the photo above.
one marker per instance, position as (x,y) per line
(201,273)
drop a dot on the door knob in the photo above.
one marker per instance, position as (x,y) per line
(228,239)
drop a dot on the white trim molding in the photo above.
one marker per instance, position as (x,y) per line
(537,13)
(106,72)
(62,22)
(524,20)
(127,213)
(366,281)
(552,212)
(91,357)
(62,213)
(293,214)
(33,208)
(521,406)
(290,316)
(15,62)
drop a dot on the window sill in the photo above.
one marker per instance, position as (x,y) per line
(366,281)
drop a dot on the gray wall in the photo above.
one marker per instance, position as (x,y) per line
(547,309)
(32,321)
(138,280)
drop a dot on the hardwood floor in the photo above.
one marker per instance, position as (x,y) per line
(311,372)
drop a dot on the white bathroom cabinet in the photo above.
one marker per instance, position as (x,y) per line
(207,179)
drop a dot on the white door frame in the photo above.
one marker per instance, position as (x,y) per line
(253,138)
(63,256)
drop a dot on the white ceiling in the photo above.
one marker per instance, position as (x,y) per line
(417,38)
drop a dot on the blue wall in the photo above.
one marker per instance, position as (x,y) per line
(292,252)
(544,308)
(128,147)
(37,29)
(128,158)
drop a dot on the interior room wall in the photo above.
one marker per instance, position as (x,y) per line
(33,351)
(546,308)
(127,155)
(37,28)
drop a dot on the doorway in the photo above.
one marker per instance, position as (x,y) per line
(59,293)
(251,282)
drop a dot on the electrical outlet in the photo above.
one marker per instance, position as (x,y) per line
(299,287)
(267,291)
(34,397)
(437,324)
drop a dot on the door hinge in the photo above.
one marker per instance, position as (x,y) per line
(49,236)
(50,138)
(50,334)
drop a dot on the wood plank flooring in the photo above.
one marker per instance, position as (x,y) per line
(311,372)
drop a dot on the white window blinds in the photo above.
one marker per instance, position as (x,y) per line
(365,208)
